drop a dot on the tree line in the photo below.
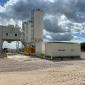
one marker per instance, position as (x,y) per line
(82,46)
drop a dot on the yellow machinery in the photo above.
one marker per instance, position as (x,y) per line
(29,50)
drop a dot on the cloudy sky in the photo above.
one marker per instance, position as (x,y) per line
(64,20)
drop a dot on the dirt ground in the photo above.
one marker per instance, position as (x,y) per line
(25,70)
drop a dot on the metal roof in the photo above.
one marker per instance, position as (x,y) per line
(64,42)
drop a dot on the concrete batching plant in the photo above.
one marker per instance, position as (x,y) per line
(32,38)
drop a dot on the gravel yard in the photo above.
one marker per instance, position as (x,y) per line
(25,70)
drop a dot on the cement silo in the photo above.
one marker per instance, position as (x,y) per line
(27,33)
(38,24)
(38,29)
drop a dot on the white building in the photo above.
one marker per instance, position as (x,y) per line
(9,33)
(59,49)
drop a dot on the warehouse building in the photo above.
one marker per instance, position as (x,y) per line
(59,49)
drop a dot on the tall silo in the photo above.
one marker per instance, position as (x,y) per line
(27,33)
(38,26)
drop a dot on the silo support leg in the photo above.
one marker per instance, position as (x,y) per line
(2,53)
(51,57)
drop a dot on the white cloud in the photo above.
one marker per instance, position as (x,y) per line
(52,1)
(61,16)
